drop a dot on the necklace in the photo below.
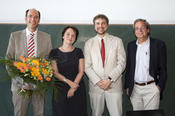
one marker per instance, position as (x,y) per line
(67,49)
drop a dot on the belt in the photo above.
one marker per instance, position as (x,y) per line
(146,83)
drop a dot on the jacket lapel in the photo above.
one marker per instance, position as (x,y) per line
(151,54)
(97,51)
(108,47)
(38,43)
(24,42)
(134,55)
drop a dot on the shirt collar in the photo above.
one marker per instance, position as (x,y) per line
(28,32)
(103,37)
(144,43)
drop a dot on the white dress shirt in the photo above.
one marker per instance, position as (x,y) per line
(35,40)
(104,40)
(142,62)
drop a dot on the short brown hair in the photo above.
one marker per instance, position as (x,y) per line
(102,16)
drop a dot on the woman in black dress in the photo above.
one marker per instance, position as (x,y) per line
(68,67)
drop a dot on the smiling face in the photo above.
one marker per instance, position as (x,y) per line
(32,19)
(101,26)
(69,36)
(141,31)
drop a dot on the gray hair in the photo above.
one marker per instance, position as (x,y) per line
(144,21)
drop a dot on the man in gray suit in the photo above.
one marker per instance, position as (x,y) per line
(19,45)
(105,61)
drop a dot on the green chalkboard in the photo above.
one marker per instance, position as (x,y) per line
(163,32)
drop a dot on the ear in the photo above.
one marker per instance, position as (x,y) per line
(63,37)
(39,21)
(148,30)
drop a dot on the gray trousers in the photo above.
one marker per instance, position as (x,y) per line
(21,104)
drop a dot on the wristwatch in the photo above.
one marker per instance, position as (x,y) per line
(65,80)
(110,79)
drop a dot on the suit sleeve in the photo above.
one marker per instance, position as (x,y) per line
(10,54)
(116,73)
(93,77)
(49,45)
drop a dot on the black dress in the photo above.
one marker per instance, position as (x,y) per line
(67,63)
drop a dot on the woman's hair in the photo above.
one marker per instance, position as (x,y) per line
(74,29)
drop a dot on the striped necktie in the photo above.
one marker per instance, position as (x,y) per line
(31,46)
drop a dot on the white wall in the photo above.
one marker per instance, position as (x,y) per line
(83,11)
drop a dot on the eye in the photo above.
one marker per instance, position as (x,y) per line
(30,16)
(73,35)
(103,23)
(141,28)
(67,34)
(36,17)
(97,23)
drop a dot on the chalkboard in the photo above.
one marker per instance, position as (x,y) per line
(125,32)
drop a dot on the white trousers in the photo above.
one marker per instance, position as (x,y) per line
(145,97)
(21,104)
(113,103)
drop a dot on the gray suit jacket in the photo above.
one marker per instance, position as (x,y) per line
(115,61)
(18,47)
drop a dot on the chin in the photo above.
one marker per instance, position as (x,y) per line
(101,33)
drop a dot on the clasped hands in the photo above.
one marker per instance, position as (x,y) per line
(104,84)
(28,86)
(73,87)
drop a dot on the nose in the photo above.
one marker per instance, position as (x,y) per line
(140,29)
(101,25)
(32,18)
(72,37)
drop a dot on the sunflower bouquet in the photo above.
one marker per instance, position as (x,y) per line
(36,71)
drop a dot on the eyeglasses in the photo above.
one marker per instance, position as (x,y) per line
(140,28)
(31,16)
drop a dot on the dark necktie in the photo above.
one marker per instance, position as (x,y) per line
(103,52)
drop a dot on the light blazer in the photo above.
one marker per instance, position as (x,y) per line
(157,65)
(115,60)
(18,45)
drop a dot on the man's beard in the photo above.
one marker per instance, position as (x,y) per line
(100,33)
